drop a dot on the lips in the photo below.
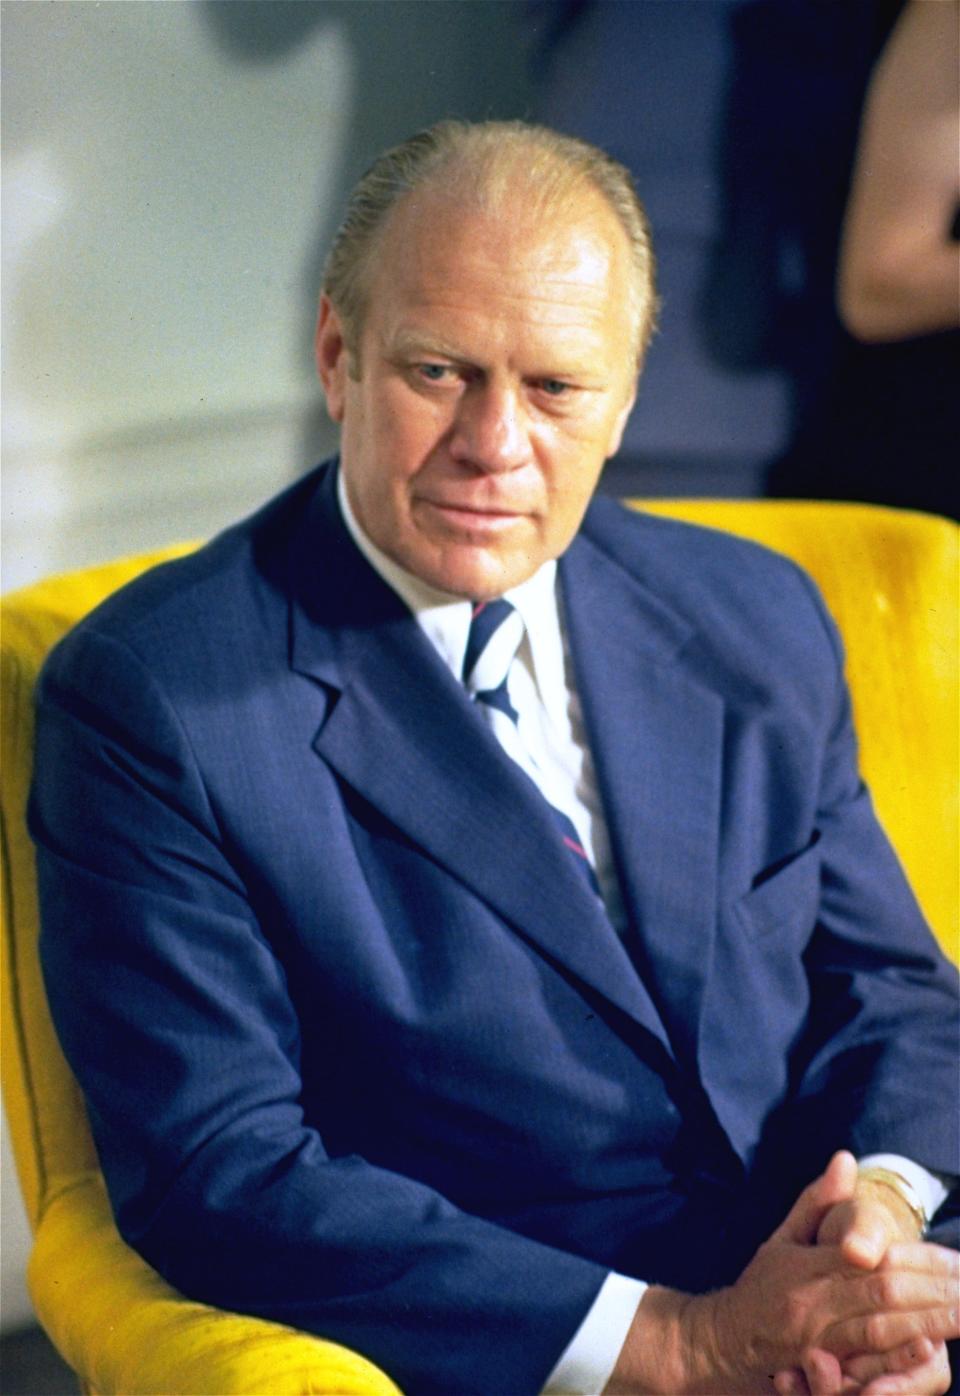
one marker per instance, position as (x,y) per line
(470,522)
(492,511)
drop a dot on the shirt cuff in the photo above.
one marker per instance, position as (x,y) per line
(931,1188)
(589,1358)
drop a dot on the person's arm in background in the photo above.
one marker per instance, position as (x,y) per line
(899,273)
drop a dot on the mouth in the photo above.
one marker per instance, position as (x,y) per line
(471,517)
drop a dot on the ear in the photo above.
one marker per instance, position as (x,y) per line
(332,357)
(620,424)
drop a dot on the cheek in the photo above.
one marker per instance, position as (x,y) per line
(408,432)
(576,460)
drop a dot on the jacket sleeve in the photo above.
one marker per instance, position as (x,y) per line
(174,1013)
(875,1070)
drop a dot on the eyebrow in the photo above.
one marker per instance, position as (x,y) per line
(423,342)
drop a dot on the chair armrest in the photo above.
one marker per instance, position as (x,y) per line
(125,1332)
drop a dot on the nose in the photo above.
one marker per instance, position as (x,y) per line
(490,430)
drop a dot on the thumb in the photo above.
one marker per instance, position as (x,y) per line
(865,1244)
(835,1184)
(823,1373)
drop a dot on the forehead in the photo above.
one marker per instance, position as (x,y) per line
(560,272)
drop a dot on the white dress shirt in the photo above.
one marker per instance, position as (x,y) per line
(550,721)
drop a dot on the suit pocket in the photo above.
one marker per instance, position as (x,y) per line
(788,899)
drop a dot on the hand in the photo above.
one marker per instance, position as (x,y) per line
(834,1311)
(796,1305)
(672,1346)
(916,1367)
(864,1227)
(920,1368)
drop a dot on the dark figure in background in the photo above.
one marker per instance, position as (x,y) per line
(739,118)
(891,424)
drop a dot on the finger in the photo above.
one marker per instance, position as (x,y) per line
(907,1291)
(866,1367)
(791,1382)
(923,1256)
(881,1332)
(836,1223)
(835,1184)
(930,1379)
(858,1310)
(823,1373)
(867,1239)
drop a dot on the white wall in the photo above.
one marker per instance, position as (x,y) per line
(172,172)
(159,214)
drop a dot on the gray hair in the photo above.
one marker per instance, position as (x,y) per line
(482,162)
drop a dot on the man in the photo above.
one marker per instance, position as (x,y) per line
(441,972)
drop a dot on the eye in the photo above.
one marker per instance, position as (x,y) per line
(554,387)
(433,373)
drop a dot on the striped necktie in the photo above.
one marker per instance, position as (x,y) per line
(496,630)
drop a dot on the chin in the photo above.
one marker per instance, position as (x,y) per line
(479,579)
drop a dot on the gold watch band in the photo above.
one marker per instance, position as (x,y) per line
(904,1189)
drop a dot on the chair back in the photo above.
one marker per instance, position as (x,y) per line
(48,1124)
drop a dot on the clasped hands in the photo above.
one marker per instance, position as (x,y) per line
(842,1300)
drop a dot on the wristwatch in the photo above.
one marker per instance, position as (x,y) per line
(904,1188)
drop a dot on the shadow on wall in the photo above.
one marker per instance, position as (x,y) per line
(462,58)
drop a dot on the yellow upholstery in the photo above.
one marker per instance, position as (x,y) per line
(890,579)
(126,1331)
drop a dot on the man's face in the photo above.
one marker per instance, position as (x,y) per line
(496,373)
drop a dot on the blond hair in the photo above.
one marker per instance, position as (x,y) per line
(483,162)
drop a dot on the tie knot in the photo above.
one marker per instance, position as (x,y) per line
(496,630)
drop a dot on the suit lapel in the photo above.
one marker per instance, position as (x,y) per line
(444,782)
(656,736)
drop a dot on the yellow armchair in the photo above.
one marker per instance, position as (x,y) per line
(890,579)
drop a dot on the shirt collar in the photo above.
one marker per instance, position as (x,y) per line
(445,618)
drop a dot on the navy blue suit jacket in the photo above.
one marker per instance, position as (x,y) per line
(361,1052)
